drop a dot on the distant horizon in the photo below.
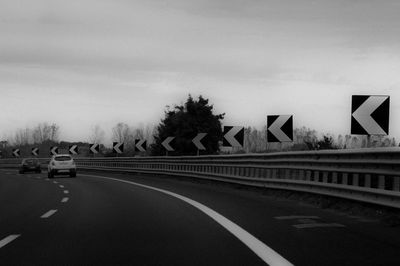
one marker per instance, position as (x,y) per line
(104,62)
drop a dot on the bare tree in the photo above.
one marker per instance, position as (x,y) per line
(97,134)
(44,131)
(121,132)
(22,137)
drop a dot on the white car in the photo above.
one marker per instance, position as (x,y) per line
(61,164)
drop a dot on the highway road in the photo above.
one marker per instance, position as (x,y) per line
(101,218)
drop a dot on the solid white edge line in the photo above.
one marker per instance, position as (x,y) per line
(8,239)
(48,214)
(267,254)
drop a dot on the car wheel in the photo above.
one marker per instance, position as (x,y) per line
(21,171)
(72,174)
(50,174)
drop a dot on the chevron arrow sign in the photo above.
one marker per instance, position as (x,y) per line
(233,137)
(54,150)
(35,151)
(279,128)
(94,148)
(370,115)
(197,141)
(140,145)
(73,149)
(166,143)
(118,147)
(16,153)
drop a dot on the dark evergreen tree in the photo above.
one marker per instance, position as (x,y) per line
(184,123)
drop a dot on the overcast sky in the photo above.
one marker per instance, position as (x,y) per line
(87,62)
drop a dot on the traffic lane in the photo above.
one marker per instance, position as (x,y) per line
(108,222)
(23,199)
(344,241)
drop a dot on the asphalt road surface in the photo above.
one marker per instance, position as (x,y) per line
(101,218)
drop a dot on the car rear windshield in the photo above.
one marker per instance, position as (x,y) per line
(63,158)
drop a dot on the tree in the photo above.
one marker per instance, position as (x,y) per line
(44,132)
(97,134)
(184,122)
(121,132)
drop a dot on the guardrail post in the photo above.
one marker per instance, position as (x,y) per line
(308,175)
(274,173)
(316,176)
(301,174)
(396,183)
(356,180)
(325,177)
(344,178)
(334,178)
(367,182)
(381,182)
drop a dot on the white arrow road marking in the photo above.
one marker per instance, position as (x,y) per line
(166,142)
(48,214)
(197,141)
(275,128)
(64,199)
(268,255)
(364,118)
(295,217)
(8,239)
(230,136)
(315,225)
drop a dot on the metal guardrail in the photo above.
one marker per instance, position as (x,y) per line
(366,175)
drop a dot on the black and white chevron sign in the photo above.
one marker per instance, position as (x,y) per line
(118,147)
(140,145)
(197,141)
(233,136)
(73,149)
(94,148)
(35,151)
(370,115)
(279,128)
(16,153)
(54,150)
(167,143)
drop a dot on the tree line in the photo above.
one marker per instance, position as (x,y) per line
(184,122)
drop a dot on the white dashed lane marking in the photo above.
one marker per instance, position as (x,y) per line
(8,239)
(55,182)
(61,186)
(66,192)
(64,199)
(48,214)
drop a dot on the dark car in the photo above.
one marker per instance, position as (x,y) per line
(30,164)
